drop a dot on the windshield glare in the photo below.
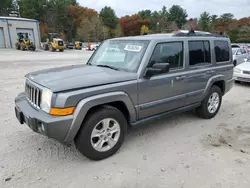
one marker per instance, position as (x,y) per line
(120,54)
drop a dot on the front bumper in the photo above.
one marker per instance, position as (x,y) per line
(41,122)
(242,77)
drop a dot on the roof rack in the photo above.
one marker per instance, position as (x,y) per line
(193,33)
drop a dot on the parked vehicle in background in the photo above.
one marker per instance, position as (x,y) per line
(53,43)
(78,45)
(239,54)
(70,45)
(144,78)
(23,42)
(92,47)
(242,72)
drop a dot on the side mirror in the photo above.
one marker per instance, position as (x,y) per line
(157,68)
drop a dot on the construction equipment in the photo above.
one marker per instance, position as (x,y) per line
(78,45)
(24,43)
(54,43)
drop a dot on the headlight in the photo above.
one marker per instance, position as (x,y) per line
(237,70)
(46,100)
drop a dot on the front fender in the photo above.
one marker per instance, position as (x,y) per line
(86,104)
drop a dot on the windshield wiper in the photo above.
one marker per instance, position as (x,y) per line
(107,66)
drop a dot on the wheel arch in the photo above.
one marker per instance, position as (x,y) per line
(218,80)
(85,106)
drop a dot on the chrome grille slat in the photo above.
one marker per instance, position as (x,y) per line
(33,94)
(37,97)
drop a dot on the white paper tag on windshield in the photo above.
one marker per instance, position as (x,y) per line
(133,48)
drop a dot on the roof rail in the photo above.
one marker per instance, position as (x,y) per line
(193,33)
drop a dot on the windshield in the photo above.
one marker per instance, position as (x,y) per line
(120,54)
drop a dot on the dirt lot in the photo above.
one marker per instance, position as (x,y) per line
(182,151)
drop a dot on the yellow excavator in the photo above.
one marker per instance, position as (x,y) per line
(54,43)
(24,43)
(78,45)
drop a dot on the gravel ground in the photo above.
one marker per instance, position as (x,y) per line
(182,151)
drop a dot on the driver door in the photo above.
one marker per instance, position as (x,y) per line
(163,92)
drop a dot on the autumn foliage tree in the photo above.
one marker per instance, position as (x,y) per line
(131,25)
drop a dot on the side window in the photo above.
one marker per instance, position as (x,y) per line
(243,51)
(221,51)
(171,52)
(199,52)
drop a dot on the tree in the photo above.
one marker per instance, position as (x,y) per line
(178,15)
(192,23)
(92,30)
(5,7)
(109,19)
(155,22)
(213,21)
(163,22)
(145,14)
(244,34)
(33,9)
(226,17)
(131,25)
(204,21)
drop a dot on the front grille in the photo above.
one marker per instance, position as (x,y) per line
(60,43)
(246,72)
(33,95)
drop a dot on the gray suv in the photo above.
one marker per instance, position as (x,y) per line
(144,78)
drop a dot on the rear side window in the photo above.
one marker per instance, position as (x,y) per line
(221,51)
(171,52)
(243,51)
(199,52)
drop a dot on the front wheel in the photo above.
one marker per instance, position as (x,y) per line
(102,133)
(211,103)
(61,50)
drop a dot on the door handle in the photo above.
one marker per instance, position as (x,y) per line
(210,72)
(180,77)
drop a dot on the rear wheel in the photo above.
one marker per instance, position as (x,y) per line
(235,63)
(211,103)
(102,133)
(61,50)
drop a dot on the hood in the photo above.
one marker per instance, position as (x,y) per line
(78,76)
(244,66)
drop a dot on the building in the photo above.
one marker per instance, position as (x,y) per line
(10,26)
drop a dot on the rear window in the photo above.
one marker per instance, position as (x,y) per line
(199,52)
(221,51)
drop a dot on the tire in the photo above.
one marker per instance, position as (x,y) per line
(203,110)
(61,50)
(235,63)
(46,47)
(33,48)
(22,46)
(51,48)
(17,46)
(85,142)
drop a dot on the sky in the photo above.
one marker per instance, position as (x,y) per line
(193,7)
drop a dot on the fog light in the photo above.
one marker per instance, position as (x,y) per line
(41,128)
